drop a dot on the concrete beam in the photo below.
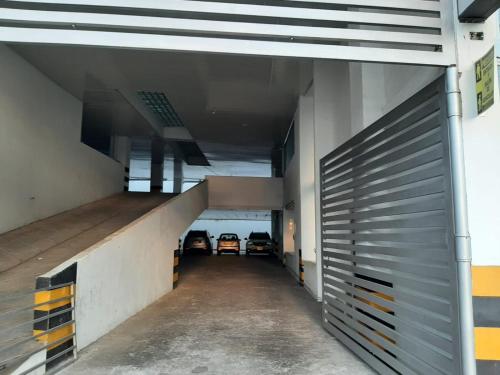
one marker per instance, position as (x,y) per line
(477,10)
(245,193)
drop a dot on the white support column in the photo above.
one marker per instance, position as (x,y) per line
(332,127)
(306,239)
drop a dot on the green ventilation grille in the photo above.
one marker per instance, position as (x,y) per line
(160,105)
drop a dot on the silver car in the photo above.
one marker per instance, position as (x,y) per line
(259,242)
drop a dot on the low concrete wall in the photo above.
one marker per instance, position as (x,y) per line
(245,193)
(124,273)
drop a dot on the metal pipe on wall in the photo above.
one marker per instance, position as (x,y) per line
(461,222)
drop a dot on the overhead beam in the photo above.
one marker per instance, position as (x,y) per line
(244,29)
(219,45)
(477,10)
(267,11)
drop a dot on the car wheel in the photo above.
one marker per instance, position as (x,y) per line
(247,253)
(218,253)
(238,254)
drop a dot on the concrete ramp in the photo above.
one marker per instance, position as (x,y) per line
(35,249)
(117,254)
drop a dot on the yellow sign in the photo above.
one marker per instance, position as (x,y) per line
(485,81)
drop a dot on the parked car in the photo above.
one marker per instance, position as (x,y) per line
(228,243)
(197,241)
(259,242)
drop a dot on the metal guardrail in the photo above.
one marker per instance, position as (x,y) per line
(45,340)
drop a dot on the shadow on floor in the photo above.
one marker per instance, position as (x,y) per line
(229,315)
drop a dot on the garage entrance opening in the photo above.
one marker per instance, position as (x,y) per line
(306,151)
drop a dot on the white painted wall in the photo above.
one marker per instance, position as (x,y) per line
(376,89)
(306,222)
(184,209)
(300,187)
(322,122)
(291,214)
(44,169)
(332,127)
(292,200)
(346,98)
(245,193)
(130,269)
(482,145)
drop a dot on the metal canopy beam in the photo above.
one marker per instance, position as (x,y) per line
(391,31)
(228,46)
(44,18)
(476,10)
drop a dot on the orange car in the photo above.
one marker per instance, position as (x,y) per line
(228,243)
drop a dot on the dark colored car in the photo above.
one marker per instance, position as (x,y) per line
(197,241)
(259,242)
(228,243)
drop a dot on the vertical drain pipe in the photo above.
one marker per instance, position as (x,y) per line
(461,224)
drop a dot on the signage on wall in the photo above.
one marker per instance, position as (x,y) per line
(485,81)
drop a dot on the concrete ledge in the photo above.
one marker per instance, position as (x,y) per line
(245,193)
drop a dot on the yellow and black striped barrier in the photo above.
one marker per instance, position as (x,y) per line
(53,320)
(486,296)
(301,269)
(177,254)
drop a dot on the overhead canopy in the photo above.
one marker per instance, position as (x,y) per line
(477,10)
(393,31)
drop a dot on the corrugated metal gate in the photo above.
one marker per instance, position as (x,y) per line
(389,271)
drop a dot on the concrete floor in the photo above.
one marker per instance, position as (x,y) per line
(229,315)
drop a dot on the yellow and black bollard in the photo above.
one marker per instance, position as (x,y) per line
(54,323)
(177,254)
(301,269)
(486,297)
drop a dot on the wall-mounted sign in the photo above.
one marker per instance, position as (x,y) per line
(485,81)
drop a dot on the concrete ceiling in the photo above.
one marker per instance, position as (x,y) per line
(232,105)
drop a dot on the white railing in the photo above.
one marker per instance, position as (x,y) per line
(397,31)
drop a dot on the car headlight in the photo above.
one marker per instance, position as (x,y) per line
(249,243)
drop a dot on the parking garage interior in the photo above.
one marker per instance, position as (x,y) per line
(219,116)
(113,155)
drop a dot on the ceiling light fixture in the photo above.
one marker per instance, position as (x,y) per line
(159,104)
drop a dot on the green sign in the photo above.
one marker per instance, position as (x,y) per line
(485,81)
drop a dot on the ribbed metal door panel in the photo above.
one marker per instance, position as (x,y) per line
(389,274)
